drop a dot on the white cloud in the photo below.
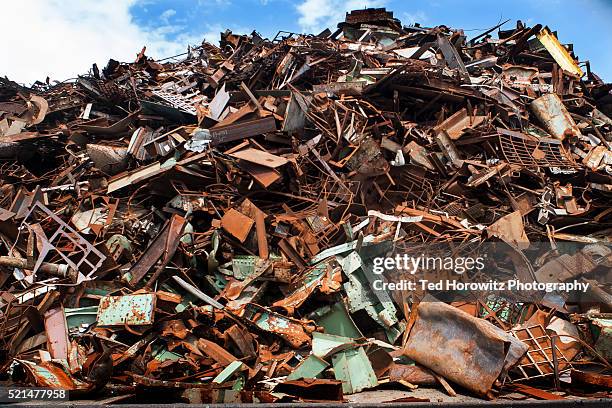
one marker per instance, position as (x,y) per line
(213,34)
(411,18)
(62,38)
(316,15)
(165,16)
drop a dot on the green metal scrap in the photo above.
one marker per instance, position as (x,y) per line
(78,317)
(161,353)
(325,344)
(227,373)
(377,303)
(315,273)
(353,368)
(244,266)
(335,319)
(311,367)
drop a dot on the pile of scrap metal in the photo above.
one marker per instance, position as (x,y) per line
(203,228)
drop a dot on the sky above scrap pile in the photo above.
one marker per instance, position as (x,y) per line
(62,38)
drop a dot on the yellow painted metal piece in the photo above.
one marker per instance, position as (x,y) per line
(559,53)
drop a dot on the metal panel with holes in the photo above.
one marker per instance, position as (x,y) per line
(131,310)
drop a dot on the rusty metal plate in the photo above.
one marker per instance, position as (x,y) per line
(237,224)
(464,349)
(260,157)
(131,310)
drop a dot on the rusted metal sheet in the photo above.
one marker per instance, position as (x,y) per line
(263,175)
(535,392)
(510,229)
(237,224)
(478,352)
(243,340)
(109,159)
(216,352)
(228,133)
(260,157)
(411,373)
(595,379)
(134,310)
(554,116)
(52,375)
(455,124)
(56,329)
(112,129)
(324,278)
(295,332)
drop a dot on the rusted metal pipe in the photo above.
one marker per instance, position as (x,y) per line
(60,270)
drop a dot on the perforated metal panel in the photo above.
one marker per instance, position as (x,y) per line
(130,309)
(179,101)
(533,152)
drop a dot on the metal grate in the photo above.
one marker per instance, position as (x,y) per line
(527,151)
(538,362)
(186,104)
(75,250)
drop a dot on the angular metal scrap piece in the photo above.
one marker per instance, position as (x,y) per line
(91,258)
(353,368)
(377,303)
(457,122)
(57,333)
(293,331)
(452,57)
(51,374)
(163,247)
(310,367)
(559,53)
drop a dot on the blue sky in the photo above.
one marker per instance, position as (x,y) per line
(64,37)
